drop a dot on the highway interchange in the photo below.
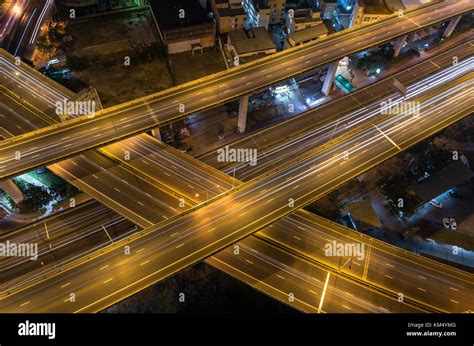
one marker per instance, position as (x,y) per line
(73,136)
(256,249)
(239,192)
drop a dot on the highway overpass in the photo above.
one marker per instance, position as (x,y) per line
(48,145)
(199,233)
(85,226)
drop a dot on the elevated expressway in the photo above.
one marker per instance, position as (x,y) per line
(78,230)
(251,189)
(151,139)
(48,144)
(86,228)
(195,196)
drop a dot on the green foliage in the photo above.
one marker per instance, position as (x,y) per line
(61,191)
(35,197)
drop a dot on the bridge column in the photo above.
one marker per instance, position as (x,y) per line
(243,108)
(156,133)
(327,85)
(451,26)
(399,45)
(12,190)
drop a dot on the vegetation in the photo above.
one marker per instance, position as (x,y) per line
(35,197)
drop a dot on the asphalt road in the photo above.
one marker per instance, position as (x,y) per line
(145,147)
(301,284)
(290,279)
(183,240)
(61,239)
(294,136)
(383,265)
(305,235)
(288,230)
(128,145)
(115,123)
(21,25)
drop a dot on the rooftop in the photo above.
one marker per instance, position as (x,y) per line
(441,181)
(364,214)
(167,13)
(309,33)
(255,39)
(231,12)
(260,4)
(376,7)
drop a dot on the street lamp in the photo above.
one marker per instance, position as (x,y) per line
(16,9)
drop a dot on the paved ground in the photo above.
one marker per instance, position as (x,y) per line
(204,126)
(113,39)
(187,67)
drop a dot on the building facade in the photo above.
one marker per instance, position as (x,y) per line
(183,25)
(230,15)
(303,19)
(258,13)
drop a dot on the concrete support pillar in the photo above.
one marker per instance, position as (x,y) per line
(243,108)
(12,190)
(156,133)
(330,78)
(451,26)
(399,45)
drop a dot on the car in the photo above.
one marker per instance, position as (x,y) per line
(446,223)
(436,203)
(454,225)
(454,195)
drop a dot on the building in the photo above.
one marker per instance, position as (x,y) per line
(277,10)
(303,19)
(258,13)
(327,8)
(230,15)
(351,13)
(362,215)
(414,3)
(344,14)
(105,4)
(183,25)
(264,12)
(441,181)
(255,42)
(306,35)
(374,11)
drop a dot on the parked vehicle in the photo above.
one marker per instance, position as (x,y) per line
(454,195)
(454,225)
(436,203)
(446,223)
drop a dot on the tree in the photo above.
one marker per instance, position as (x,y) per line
(35,197)
(43,44)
